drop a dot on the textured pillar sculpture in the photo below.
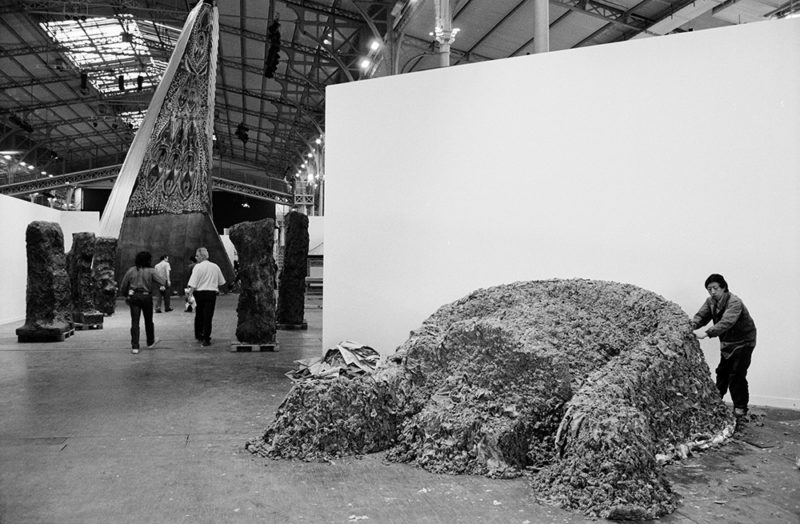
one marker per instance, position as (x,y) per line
(291,294)
(256,308)
(82,287)
(161,200)
(105,286)
(48,311)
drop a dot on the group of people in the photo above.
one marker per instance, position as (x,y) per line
(142,281)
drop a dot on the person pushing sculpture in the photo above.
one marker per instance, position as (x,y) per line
(138,286)
(737,337)
(204,284)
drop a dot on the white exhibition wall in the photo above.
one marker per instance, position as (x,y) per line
(653,162)
(316,233)
(15,215)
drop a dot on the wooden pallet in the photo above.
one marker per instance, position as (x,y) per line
(51,336)
(238,347)
(293,327)
(81,327)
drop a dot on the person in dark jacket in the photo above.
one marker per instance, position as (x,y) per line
(138,286)
(737,337)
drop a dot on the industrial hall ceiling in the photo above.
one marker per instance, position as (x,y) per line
(77,76)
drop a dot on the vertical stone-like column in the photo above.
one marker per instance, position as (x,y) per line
(105,286)
(48,311)
(292,290)
(256,323)
(79,267)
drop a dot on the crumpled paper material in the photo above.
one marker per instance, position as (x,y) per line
(587,387)
(346,359)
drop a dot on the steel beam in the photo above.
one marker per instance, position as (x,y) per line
(75,180)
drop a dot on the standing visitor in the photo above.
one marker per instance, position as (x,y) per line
(737,339)
(137,287)
(204,284)
(163,269)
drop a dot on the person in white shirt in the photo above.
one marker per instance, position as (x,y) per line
(163,269)
(204,284)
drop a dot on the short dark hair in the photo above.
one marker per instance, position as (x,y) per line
(719,279)
(163,257)
(143,259)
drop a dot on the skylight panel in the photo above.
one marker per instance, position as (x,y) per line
(110,48)
(133,118)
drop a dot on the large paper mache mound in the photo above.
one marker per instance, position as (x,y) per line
(587,387)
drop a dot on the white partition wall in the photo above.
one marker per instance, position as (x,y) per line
(15,215)
(654,162)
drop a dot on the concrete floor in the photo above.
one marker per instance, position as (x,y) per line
(91,433)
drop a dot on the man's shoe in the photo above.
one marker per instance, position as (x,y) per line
(168,310)
(158,311)
(206,342)
(135,351)
(151,346)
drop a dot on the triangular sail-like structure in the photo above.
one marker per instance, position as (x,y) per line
(161,201)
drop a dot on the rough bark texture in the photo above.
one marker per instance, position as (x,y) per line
(578,383)
(256,307)
(105,285)
(48,311)
(79,268)
(291,295)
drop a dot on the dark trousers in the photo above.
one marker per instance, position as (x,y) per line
(165,295)
(141,305)
(204,313)
(732,374)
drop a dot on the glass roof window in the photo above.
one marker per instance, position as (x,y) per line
(109,48)
(133,118)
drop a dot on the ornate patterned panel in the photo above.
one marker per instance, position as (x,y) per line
(174,177)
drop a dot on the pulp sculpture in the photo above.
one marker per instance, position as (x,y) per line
(82,283)
(256,307)
(584,385)
(48,309)
(291,293)
(105,285)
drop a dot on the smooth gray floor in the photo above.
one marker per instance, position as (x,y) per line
(91,433)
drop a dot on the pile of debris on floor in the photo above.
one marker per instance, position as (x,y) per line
(578,384)
(346,359)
